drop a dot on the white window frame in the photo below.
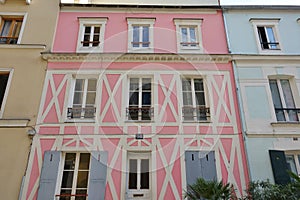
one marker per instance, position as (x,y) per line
(140,96)
(61,171)
(8,85)
(91,22)
(189,23)
(296,156)
(140,22)
(72,92)
(281,94)
(13,14)
(130,192)
(267,23)
(194,97)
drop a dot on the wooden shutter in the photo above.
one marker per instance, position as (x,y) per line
(279,167)
(49,174)
(208,165)
(98,171)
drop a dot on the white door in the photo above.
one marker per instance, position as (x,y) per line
(138,179)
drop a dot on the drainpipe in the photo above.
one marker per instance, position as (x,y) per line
(239,97)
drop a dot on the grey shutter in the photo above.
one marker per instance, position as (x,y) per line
(208,165)
(98,171)
(279,167)
(49,174)
(200,164)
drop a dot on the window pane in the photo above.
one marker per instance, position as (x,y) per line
(65,194)
(146,82)
(198,83)
(186,85)
(86,37)
(289,100)
(134,83)
(136,36)
(6,27)
(263,37)
(81,194)
(271,37)
(133,98)
(132,174)
(90,98)
(84,161)
(187,98)
(146,98)
(276,100)
(184,37)
(78,96)
(79,85)
(3,83)
(200,99)
(67,179)
(144,174)
(70,161)
(291,163)
(17,28)
(82,179)
(145,36)
(193,36)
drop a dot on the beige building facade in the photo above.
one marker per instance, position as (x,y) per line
(26,29)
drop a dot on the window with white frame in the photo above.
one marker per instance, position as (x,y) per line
(293,161)
(10,28)
(189,37)
(5,79)
(283,100)
(75,176)
(82,98)
(266,32)
(140,99)
(194,100)
(140,34)
(91,34)
(138,176)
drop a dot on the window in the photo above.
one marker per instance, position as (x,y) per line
(82,103)
(140,99)
(10,29)
(188,35)
(283,100)
(194,103)
(138,178)
(140,34)
(266,33)
(91,34)
(5,77)
(74,184)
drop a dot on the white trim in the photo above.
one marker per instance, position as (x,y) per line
(8,85)
(273,23)
(14,122)
(188,23)
(91,22)
(140,22)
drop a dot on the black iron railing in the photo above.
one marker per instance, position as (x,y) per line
(199,113)
(142,113)
(79,112)
(269,45)
(287,114)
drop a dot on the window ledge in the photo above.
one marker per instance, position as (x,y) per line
(196,122)
(14,122)
(80,121)
(22,46)
(285,123)
(139,121)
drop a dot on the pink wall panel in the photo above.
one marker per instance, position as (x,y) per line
(49,130)
(213,32)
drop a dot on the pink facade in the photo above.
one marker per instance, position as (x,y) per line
(167,136)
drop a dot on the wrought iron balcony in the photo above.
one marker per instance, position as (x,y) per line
(199,113)
(287,114)
(81,113)
(142,113)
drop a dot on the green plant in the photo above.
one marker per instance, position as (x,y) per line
(212,190)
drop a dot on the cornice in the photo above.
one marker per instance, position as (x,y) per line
(136,57)
(264,57)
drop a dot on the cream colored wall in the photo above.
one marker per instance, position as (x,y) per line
(26,86)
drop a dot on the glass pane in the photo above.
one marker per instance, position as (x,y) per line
(200,99)
(271,37)
(146,98)
(193,36)
(145,36)
(87,30)
(82,179)
(186,85)
(144,174)
(90,98)
(79,85)
(133,98)
(263,37)
(70,161)
(3,83)
(132,182)
(198,83)
(65,194)
(78,96)
(96,30)
(67,179)
(276,100)
(289,100)
(188,114)
(84,161)
(81,194)
(6,27)
(17,28)
(134,83)
(187,98)
(146,82)
(291,163)
(184,36)
(136,36)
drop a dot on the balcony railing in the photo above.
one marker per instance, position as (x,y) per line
(136,113)
(69,196)
(199,113)
(287,114)
(81,113)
